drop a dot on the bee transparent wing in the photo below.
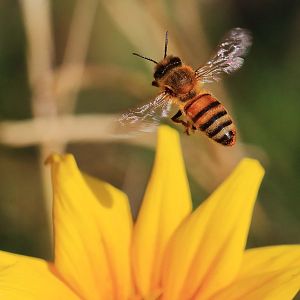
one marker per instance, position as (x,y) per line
(147,117)
(229,56)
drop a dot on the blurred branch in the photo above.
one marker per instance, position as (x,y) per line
(75,53)
(36,14)
(63,129)
(37,21)
(101,76)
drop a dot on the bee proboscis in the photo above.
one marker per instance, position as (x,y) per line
(181,85)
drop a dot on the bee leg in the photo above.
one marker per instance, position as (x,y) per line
(176,117)
(187,125)
(187,130)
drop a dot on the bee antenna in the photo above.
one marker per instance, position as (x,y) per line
(166,44)
(147,58)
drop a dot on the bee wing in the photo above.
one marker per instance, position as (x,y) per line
(147,117)
(229,56)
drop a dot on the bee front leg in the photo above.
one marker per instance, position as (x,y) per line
(187,125)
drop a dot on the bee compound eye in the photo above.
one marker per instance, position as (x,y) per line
(159,72)
(176,61)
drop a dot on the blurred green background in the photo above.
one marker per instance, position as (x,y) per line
(263,98)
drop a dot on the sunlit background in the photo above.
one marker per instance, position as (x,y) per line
(66,71)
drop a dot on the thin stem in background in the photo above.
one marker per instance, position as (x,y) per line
(75,54)
(37,21)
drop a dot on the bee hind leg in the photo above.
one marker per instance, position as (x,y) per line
(187,124)
(189,127)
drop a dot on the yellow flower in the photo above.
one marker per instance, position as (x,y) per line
(170,253)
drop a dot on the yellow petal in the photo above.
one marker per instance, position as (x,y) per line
(266,273)
(267,259)
(166,203)
(92,226)
(205,253)
(27,278)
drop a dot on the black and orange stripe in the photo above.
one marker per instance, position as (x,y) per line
(209,115)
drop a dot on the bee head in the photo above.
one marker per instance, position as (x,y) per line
(165,65)
(168,63)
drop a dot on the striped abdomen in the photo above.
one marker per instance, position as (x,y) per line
(209,115)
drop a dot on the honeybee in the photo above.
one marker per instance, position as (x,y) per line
(179,84)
